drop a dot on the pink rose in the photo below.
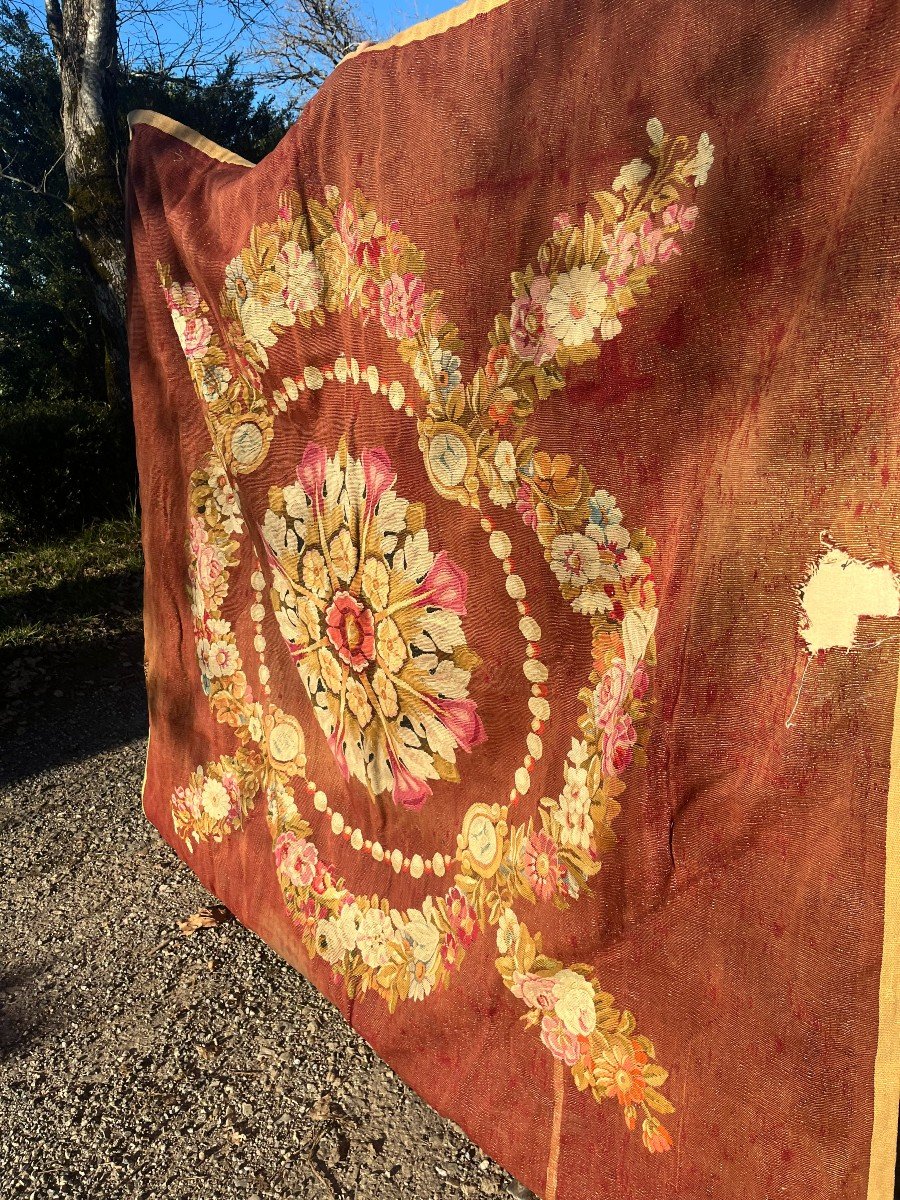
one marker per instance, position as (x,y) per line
(198,536)
(536,990)
(209,566)
(402,302)
(297,859)
(559,1041)
(618,745)
(609,694)
(640,682)
(528,331)
(195,336)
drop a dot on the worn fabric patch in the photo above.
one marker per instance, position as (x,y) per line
(490,430)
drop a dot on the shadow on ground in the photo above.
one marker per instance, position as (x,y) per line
(62,704)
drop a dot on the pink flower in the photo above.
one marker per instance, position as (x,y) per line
(656,243)
(362,243)
(559,1041)
(525,506)
(296,858)
(618,745)
(684,216)
(463,721)
(351,630)
(378,474)
(311,472)
(336,742)
(622,247)
(561,222)
(402,301)
(540,864)
(182,298)
(408,790)
(195,336)
(209,566)
(610,693)
(446,585)
(536,990)
(198,536)
(640,682)
(528,331)
(322,878)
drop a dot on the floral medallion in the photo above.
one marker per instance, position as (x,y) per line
(372,617)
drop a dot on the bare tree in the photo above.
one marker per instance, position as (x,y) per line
(302,40)
(292,44)
(84,38)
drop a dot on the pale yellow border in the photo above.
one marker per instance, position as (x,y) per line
(426,29)
(883,1156)
(144,116)
(144,780)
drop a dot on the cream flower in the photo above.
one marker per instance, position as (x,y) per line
(631,174)
(505,461)
(336,936)
(391,646)
(700,164)
(576,306)
(373,939)
(574,559)
(575,1005)
(507,931)
(215,800)
(223,659)
(300,274)
(576,825)
(315,572)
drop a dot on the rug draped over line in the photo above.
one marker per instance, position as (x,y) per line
(520,480)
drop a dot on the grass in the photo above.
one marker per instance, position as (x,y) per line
(74,588)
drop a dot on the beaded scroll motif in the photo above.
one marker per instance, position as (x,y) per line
(373,614)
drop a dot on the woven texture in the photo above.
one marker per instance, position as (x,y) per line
(519,472)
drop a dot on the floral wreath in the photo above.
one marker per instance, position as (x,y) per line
(355,586)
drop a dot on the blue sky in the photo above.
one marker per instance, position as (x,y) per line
(393,15)
(176,26)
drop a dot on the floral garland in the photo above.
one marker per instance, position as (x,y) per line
(341,256)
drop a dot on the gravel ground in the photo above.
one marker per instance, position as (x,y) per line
(139,1063)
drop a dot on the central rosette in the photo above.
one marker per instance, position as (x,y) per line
(372,617)
(351,630)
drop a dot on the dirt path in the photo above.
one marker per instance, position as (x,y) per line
(135,1062)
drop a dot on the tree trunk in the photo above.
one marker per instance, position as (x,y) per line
(83,33)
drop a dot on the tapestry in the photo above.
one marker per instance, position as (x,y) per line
(520,480)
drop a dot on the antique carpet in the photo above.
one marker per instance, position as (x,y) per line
(520,479)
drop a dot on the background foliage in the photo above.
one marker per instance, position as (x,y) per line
(66,459)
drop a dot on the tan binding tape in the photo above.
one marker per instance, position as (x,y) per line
(143,116)
(883,1156)
(426,29)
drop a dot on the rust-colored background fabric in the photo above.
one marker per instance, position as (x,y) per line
(745,405)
